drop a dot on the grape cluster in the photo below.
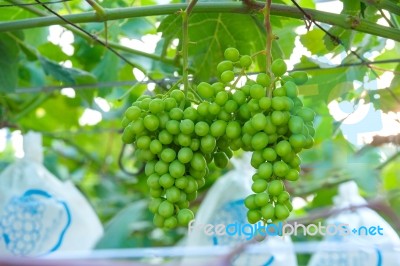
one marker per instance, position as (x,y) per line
(178,139)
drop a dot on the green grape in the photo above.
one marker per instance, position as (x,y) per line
(217,87)
(168,155)
(265,170)
(250,202)
(297,141)
(186,126)
(280,168)
(281,211)
(227,76)
(205,90)
(198,161)
(260,185)
(224,66)
(195,144)
(279,92)
(128,136)
(185,154)
(283,148)
(161,167)
(170,222)
(156,193)
(184,140)
(153,181)
(176,169)
(176,113)
(307,114)
(172,127)
(166,209)
(154,204)
(275,187)
(231,54)
(133,113)
(268,211)
(291,89)
(239,97)
(278,67)
(292,175)
(259,141)
(184,217)
(245,61)
(296,124)
(221,98)
(261,199)
(158,220)
(191,186)
(192,196)
(259,121)
(256,159)
(202,109)
(231,106)
(169,103)
(263,79)
(150,168)
(166,180)
(283,197)
(138,126)
(178,95)
(190,113)
(143,142)
(165,137)
(173,194)
(218,128)
(253,216)
(269,154)
(233,129)
(265,103)
(221,159)
(156,106)
(208,143)
(181,182)
(214,109)
(257,91)
(299,77)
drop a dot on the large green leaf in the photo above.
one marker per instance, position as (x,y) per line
(9,51)
(211,34)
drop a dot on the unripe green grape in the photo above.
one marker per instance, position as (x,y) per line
(173,194)
(156,192)
(278,67)
(309,142)
(244,112)
(263,79)
(186,126)
(296,124)
(221,98)
(150,168)
(275,187)
(133,113)
(268,211)
(178,95)
(221,160)
(176,113)
(205,90)
(176,169)
(224,66)
(250,203)
(279,92)
(265,170)
(169,103)
(239,97)
(272,138)
(125,122)
(281,211)
(218,128)
(165,137)
(300,77)
(214,108)
(154,204)
(289,104)
(208,143)
(168,155)
(259,121)
(248,128)
(256,159)
(158,220)
(202,109)
(128,136)
(200,182)
(278,103)
(307,114)
(231,106)
(283,197)
(233,129)
(172,127)
(197,173)
(198,161)
(260,185)
(192,196)
(155,146)
(185,216)
(291,89)
(138,126)
(278,118)
(185,154)
(231,54)
(261,199)
(143,142)
(195,145)
(153,181)
(181,182)
(265,103)
(209,157)
(227,76)
(190,113)
(191,186)
(259,141)
(280,169)
(166,209)
(166,181)
(269,154)
(236,144)
(170,222)
(184,140)
(253,216)
(245,61)
(297,141)
(288,205)
(283,148)
(253,105)
(156,106)
(217,87)
(144,104)
(270,128)
(257,91)
(161,167)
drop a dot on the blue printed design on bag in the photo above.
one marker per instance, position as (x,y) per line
(34,223)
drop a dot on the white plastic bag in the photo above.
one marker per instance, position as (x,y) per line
(224,204)
(366,230)
(39,214)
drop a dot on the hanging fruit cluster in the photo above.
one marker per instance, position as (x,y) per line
(178,139)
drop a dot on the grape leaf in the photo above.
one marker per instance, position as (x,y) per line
(9,51)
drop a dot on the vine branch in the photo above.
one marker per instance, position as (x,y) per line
(208,7)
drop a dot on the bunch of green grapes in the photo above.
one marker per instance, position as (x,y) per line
(178,139)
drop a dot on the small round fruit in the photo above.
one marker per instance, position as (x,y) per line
(166,209)
(245,61)
(278,67)
(232,54)
(185,216)
(227,76)
(275,187)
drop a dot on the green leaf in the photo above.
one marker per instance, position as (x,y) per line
(135,28)
(9,51)
(107,71)
(211,34)
(312,41)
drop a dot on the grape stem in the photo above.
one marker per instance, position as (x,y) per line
(268,48)
(185,45)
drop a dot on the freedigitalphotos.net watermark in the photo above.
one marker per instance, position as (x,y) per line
(249,231)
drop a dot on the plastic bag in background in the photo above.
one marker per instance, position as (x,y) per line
(39,214)
(224,204)
(360,221)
